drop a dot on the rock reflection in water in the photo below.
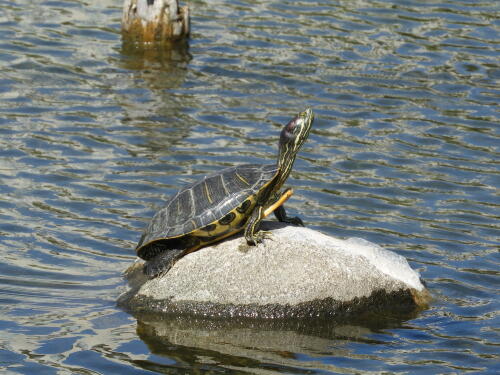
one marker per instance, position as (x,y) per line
(245,344)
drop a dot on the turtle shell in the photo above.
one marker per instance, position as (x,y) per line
(207,210)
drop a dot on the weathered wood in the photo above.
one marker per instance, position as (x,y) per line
(152,22)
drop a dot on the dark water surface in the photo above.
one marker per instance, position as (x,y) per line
(404,153)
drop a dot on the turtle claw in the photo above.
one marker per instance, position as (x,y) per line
(265,234)
(260,236)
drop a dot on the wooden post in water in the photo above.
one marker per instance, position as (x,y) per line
(153,22)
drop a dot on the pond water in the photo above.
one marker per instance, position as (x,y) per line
(404,153)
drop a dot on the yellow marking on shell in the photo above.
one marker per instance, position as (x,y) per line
(224,186)
(221,231)
(222,236)
(207,193)
(242,178)
(287,194)
(234,224)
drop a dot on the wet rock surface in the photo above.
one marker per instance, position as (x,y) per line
(299,272)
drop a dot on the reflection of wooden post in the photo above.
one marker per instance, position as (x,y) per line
(154,21)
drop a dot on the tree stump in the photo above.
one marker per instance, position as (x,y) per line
(153,22)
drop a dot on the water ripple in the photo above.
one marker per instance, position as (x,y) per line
(403,153)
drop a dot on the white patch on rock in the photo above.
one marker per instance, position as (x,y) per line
(392,264)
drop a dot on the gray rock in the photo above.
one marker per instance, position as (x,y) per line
(298,272)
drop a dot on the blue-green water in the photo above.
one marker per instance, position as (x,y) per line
(404,153)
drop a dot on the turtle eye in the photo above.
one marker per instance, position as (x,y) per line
(288,132)
(292,127)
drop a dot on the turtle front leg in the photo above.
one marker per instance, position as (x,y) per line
(252,233)
(279,210)
(280,214)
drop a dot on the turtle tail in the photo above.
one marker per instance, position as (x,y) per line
(161,263)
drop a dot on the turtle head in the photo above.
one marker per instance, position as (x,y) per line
(295,132)
(292,137)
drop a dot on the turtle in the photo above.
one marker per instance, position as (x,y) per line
(223,203)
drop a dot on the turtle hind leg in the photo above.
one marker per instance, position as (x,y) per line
(161,263)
